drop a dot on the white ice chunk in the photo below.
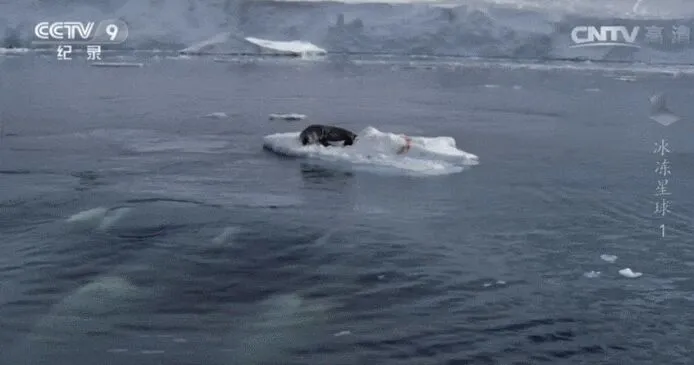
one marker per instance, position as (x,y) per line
(630,274)
(289,116)
(609,258)
(592,274)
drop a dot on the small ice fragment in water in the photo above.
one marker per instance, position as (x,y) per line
(217,115)
(381,277)
(180,340)
(592,274)
(626,78)
(291,116)
(609,258)
(151,352)
(117,351)
(630,274)
(342,333)
(498,282)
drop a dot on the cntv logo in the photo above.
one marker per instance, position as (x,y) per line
(616,35)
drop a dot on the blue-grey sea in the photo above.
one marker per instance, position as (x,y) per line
(136,230)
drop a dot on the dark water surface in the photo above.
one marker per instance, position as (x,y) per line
(195,246)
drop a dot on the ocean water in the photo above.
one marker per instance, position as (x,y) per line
(135,230)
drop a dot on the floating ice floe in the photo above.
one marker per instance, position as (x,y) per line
(216,115)
(288,117)
(608,258)
(498,282)
(629,274)
(291,48)
(592,274)
(381,152)
(626,78)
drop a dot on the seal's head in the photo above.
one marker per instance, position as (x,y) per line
(350,141)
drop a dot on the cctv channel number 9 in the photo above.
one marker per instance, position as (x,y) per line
(111,32)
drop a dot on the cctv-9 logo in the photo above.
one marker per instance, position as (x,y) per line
(110,32)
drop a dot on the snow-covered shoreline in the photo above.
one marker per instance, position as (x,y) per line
(283,28)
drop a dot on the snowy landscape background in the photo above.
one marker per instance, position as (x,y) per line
(504,29)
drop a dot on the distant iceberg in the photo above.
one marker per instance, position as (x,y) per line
(227,43)
(292,48)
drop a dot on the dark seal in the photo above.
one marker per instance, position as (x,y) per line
(326,135)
